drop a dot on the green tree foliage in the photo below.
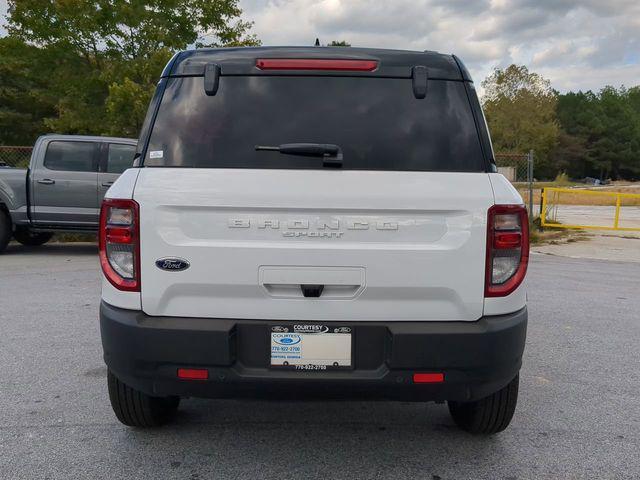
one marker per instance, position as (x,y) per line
(340,43)
(127,105)
(520,107)
(103,57)
(25,99)
(583,133)
(128,28)
(604,133)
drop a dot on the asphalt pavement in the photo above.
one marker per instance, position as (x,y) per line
(578,414)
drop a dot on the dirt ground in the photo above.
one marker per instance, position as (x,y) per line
(580,209)
(614,246)
(578,197)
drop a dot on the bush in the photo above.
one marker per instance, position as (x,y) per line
(75,237)
(562,180)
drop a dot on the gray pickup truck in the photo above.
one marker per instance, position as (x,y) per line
(62,189)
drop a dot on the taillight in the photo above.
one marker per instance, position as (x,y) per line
(120,243)
(507,249)
(316,64)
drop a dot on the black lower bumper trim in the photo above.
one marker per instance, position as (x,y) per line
(477,358)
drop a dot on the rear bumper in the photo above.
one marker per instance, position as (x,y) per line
(477,358)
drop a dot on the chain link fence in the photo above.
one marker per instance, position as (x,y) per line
(515,166)
(518,168)
(16,157)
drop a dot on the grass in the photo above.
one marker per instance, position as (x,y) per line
(74,237)
(553,236)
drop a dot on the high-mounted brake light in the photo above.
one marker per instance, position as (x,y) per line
(316,64)
(507,249)
(119,242)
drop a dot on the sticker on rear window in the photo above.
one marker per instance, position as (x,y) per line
(156,154)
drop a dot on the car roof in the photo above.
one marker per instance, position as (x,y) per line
(242,61)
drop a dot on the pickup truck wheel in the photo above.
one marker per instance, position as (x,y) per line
(488,415)
(136,409)
(5,230)
(31,238)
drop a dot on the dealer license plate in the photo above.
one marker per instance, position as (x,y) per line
(311,347)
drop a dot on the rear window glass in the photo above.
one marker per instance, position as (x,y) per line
(377,123)
(120,157)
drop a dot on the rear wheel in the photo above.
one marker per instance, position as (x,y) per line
(137,409)
(488,415)
(5,229)
(30,238)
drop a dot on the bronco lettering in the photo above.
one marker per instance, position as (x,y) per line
(306,228)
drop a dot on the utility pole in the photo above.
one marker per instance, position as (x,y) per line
(530,180)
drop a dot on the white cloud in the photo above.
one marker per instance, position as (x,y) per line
(576,44)
(585,77)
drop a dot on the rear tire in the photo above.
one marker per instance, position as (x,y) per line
(5,230)
(30,238)
(137,409)
(488,415)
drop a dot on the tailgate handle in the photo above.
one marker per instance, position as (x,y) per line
(298,281)
(312,291)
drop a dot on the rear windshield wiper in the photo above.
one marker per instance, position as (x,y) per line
(331,154)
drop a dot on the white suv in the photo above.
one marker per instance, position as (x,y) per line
(312,222)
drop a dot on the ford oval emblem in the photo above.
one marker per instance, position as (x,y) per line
(292,340)
(172,264)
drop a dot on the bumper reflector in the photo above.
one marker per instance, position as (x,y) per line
(428,377)
(193,373)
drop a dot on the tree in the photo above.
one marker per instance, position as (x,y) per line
(574,154)
(634,99)
(619,144)
(126,106)
(115,51)
(607,126)
(341,43)
(24,97)
(520,107)
(128,29)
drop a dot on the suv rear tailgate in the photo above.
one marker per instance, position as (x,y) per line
(385,245)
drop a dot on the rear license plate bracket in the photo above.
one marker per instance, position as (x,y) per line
(311,347)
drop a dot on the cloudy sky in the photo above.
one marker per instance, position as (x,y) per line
(576,44)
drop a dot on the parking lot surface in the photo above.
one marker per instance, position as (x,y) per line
(578,415)
(596,215)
